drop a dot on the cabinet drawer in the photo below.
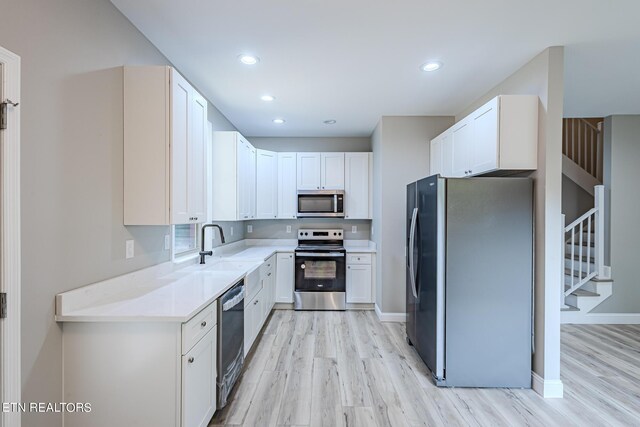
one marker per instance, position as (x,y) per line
(252,284)
(268,267)
(198,326)
(358,258)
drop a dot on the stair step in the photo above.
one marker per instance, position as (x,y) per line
(569,308)
(576,273)
(577,258)
(576,243)
(584,293)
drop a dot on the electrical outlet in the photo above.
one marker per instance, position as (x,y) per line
(167,242)
(129,249)
(288,229)
(231,231)
(372,230)
(354,228)
(249,228)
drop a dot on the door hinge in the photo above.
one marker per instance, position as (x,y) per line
(3,305)
(3,112)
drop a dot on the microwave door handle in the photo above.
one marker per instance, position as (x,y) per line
(335,203)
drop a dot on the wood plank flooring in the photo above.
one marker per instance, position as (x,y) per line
(349,369)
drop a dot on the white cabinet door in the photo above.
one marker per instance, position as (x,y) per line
(266,184)
(252,181)
(180,108)
(287,188)
(359,284)
(462,143)
(485,149)
(284,278)
(197,160)
(446,147)
(199,382)
(308,171)
(356,188)
(435,157)
(332,171)
(243,160)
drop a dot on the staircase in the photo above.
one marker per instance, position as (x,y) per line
(587,281)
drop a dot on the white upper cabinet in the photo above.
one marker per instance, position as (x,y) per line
(435,156)
(502,135)
(287,189)
(332,171)
(266,184)
(308,171)
(320,171)
(233,175)
(165,122)
(357,186)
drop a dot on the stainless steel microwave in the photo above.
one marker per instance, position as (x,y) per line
(321,204)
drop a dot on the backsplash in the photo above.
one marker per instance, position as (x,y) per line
(277,228)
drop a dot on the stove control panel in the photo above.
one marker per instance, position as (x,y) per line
(333,234)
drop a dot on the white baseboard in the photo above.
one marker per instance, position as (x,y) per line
(548,389)
(601,319)
(390,317)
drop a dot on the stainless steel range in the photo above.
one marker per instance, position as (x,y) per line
(320,270)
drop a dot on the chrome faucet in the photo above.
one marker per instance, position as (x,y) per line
(204,253)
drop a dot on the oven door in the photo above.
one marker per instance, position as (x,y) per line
(320,272)
(317,204)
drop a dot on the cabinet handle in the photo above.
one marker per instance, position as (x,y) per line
(269,274)
(203,324)
(349,267)
(191,359)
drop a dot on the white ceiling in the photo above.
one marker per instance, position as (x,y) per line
(356,60)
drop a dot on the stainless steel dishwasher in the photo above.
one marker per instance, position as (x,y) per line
(230,340)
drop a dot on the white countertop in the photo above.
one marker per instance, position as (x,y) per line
(171,293)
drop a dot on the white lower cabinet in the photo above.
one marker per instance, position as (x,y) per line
(359,278)
(257,307)
(160,374)
(199,382)
(284,278)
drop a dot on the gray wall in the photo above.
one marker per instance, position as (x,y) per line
(277,228)
(71,107)
(543,76)
(401,156)
(575,200)
(621,180)
(312,144)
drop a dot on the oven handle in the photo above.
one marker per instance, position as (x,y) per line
(320,254)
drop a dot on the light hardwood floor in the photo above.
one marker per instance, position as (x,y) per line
(349,369)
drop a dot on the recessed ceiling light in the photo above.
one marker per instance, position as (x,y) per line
(329,122)
(431,66)
(248,59)
(267,98)
(278,121)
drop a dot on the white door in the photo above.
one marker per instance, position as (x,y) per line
(284,278)
(251,176)
(197,184)
(332,171)
(446,148)
(435,157)
(287,188)
(180,100)
(308,171)
(266,184)
(199,382)
(485,150)
(359,284)
(356,188)
(462,137)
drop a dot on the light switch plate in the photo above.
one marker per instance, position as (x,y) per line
(232,231)
(129,249)
(354,228)
(167,242)
(288,229)
(249,228)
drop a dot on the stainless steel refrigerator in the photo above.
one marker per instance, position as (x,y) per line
(470,279)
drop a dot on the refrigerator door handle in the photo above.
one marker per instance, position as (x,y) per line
(412,242)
